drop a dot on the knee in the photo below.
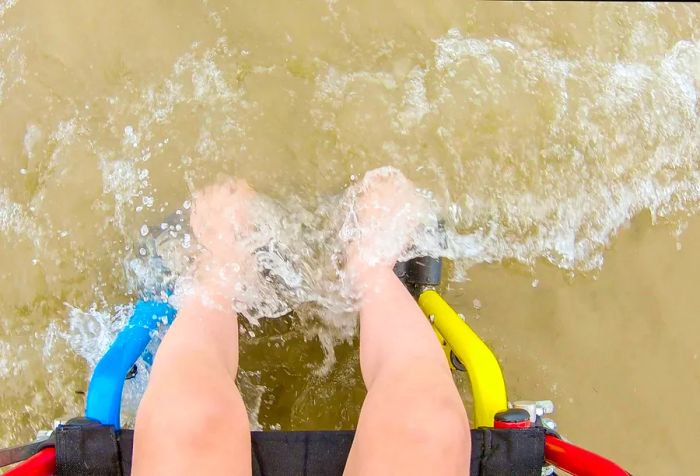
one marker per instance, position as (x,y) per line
(433,413)
(192,417)
(199,419)
(441,428)
(431,428)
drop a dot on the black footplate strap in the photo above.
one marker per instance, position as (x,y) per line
(85,448)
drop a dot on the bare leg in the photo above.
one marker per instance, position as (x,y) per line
(413,420)
(192,419)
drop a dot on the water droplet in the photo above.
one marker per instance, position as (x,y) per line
(144,230)
(142,251)
(186,204)
(535,283)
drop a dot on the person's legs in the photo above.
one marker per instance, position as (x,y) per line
(413,420)
(192,419)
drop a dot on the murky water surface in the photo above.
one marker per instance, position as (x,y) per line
(560,143)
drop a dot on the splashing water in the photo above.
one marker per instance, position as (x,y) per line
(530,139)
(285,274)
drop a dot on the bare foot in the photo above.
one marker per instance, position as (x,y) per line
(388,208)
(220,217)
(221,222)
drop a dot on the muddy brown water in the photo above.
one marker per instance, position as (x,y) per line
(560,142)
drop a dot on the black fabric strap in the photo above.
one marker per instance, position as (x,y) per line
(507,451)
(86,448)
(99,450)
(308,453)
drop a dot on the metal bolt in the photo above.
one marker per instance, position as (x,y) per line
(549,423)
(535,408)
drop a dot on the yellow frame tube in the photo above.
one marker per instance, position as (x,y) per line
(485,375)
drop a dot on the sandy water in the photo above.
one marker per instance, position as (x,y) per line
(560,143)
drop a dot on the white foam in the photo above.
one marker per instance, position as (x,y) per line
(415,102)
(627,143)
(120,178)
(31,138)
(10,365)
(14,218)
(65,131)
(14,65)
(332,86)
(5,5)
(453,47)
(130,138)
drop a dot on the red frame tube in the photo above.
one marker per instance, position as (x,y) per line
(41,464)
(578,461)
(511,424)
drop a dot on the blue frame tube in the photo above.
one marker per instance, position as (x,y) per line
(105,391)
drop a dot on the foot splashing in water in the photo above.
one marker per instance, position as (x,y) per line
(378,221)
(279,273)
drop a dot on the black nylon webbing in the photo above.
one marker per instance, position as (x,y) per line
(98,450)
(86,448)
